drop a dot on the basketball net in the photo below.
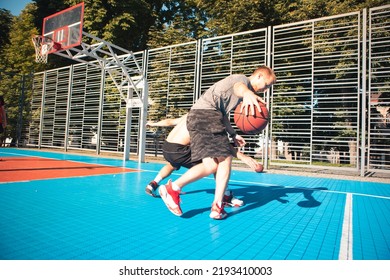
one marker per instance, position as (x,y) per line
(43,46)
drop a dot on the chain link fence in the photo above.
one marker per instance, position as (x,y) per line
(329,108)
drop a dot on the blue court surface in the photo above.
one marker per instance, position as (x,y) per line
(108,216)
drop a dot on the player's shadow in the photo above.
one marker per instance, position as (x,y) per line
(255,196)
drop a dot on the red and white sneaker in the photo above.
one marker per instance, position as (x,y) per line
(217,213)
(171,198)
(232,201)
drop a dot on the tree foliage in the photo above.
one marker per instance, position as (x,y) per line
(184,22)
(5,27)
(18,63)
(225,17)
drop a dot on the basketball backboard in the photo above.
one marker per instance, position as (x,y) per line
(62,35)
(65,27)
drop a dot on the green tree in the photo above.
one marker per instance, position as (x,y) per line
(46,8)
(5,27)
(124,23)
(18,65)
(309,9)
(225,17)
(181,21)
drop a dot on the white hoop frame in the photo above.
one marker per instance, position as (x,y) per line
(43,45)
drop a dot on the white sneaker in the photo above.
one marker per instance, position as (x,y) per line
(232,201)
(217,213)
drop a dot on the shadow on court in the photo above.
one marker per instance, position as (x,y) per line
(255,196)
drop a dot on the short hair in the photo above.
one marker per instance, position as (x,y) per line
(265,70)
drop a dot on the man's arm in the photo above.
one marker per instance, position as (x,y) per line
(249,98)
(252,163)
(165,123)
(228,126)
(239,140)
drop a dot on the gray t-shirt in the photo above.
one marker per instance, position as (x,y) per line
(220,96)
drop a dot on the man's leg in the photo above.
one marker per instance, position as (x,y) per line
(222,178)
(162,174)
(221,181)
(170,193)
(207,167)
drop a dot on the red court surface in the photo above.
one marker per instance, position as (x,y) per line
(14,169)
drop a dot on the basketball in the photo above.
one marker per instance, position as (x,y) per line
(251,124)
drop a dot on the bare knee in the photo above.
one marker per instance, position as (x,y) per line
(211,164)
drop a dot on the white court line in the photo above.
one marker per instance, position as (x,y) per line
(76,161)
(306,188)
(70,160)
(346,243)
(210,178)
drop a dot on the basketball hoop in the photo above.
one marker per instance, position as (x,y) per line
(43,46)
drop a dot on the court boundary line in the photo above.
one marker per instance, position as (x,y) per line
(134,170)
(71,160)
(346,242)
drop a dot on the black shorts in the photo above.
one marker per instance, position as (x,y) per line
(208,134)
(1,128)
(178,155)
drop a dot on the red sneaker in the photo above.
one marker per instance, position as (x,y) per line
(171,198)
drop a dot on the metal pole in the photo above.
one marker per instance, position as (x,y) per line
(68,108)
(364,95)
(126,152)
(100,117)
(143,112)
(266,146)
(20,117)
(198,70)
(42,110)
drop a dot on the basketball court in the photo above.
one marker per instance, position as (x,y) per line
(64,206)
(37,168)
(80,207)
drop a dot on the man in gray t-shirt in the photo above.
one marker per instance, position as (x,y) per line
(220,96)
(208,125)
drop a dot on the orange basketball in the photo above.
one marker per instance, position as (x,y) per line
(251,124)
